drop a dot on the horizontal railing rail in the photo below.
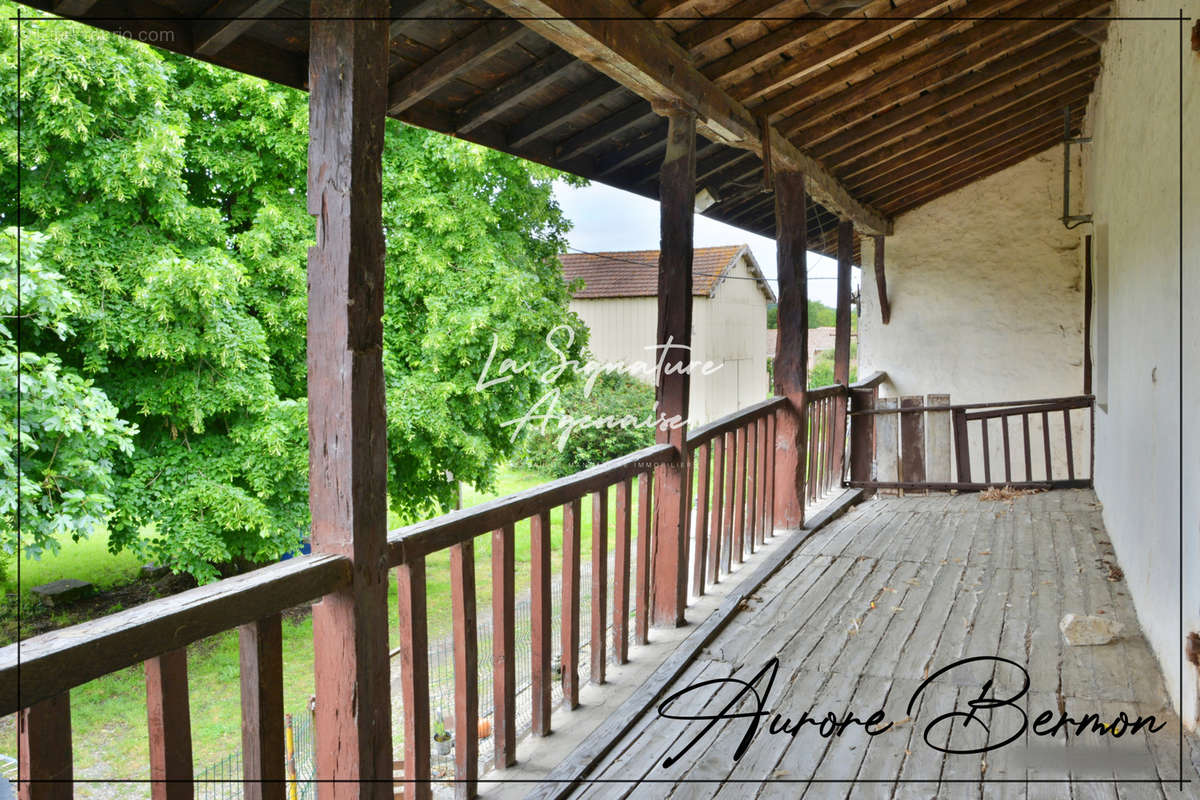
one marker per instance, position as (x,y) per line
(440,533)
(44,666)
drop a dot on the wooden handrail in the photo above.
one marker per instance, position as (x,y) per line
(871,381)
(58,661)
(422,538)
(734,421)
(1004,407)
(822,392)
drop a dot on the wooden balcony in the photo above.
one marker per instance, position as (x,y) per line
(864,615)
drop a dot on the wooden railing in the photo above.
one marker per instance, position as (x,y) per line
(732,472)
(927,443)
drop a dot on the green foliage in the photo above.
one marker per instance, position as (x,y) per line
(821,373)
(819,315)
(173,193)
(772,316)
(614,397)
(69,431)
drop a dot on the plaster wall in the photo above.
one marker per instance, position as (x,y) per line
(986,293)
(1132,172)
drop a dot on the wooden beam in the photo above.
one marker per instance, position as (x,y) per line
(490,38)
(998,111)
(841,348)
(677,197)
(604,131)
(73,8)
(823,94)
(578,101)
(640,149)
(791,357)
(348,58)
(885,308)
(498,99)
(805,59)
(1088,291)
(618,41)
(226,21)
(964,89)
(964,143)
(726,22)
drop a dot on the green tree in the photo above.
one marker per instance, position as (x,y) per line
(173,194)
(57,462)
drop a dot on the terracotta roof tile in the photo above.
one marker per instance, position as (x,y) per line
(634,273)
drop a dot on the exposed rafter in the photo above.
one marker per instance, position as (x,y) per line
(511,92)
(228,20)
(617,40)
(479,45)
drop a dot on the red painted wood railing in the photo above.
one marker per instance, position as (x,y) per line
(733,480)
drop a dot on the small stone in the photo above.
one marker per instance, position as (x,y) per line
(1084,630)
(63,592)
(153,572)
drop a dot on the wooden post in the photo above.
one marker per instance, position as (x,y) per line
(348,59)
(862,436)
(791,357)
(504,653)
(466,669)
(414,675)
(677,197)
(169,726)
(45,769)
(261,654)
(841,346)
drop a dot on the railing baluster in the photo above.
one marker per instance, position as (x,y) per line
(539,600)
(260,645)
(569,630)
(466,670)
(703,478)
(641,603)
(739,503)
(987,451)
(814,447)
(169,726)
(598,643)
(830,433)
(769,501)
(414,677)
(1007,456)
(1046,442)
(1070,447)
(621,576)
(44,733)
(962,446)
(714,531)
(504,658)
(751,485)
(730,501)
(1028,457)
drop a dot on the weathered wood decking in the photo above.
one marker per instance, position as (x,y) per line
(883,598)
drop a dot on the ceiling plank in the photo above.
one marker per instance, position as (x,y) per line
(498,99)
(479,45)
(727,21)
(578,101)
(1000,113)
(73,8)
(636,151)
(604,131)
(611,36)
(820,54)
(228,20)
(855,125)
(947,149)
(914,52)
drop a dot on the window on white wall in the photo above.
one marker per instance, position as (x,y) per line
(1100,316)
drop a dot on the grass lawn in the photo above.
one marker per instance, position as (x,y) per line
(87,559)
(109,716)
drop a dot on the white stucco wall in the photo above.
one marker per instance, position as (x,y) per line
(1132,172)
(726,330)
(986,293)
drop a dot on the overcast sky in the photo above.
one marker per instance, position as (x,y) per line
(610,219)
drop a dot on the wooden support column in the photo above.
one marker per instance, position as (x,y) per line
(348,59)
(841,345)
(169,726)
(677,198)
(791,351)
